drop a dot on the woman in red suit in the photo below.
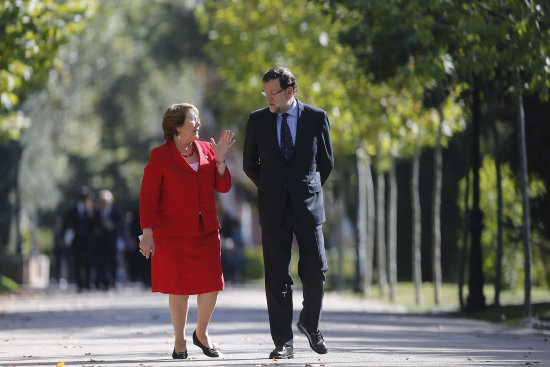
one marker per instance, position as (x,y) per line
(180,224)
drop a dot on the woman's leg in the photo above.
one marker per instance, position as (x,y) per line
(206,302)
(179,305)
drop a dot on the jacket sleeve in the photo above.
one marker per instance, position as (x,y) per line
(251,160)
(325,159)
(150,191)
(222,184)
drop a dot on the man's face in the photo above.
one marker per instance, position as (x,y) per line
(278,99)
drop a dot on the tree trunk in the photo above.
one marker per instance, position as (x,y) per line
(371,223)
(436,211)
(17,206)
(526,228)
(476,299)
(334,223)
(489,97)
(465,236)
(392,232)
(416,222)
(361,157)
(340,214)
(380,232)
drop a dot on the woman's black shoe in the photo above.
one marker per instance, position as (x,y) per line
(210,352)
(179,355)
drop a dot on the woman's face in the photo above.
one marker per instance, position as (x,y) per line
(189,131)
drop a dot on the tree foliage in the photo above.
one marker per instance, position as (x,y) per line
(512,275)
(100,112)
(31,33)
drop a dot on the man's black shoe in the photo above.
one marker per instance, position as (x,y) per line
(316,341)
(282,352)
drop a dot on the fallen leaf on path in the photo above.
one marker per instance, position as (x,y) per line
(72,346)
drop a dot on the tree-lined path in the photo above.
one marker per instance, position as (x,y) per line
(131,327)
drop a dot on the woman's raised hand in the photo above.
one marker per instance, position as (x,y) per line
(224,144)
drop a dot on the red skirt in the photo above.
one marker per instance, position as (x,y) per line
(187,265)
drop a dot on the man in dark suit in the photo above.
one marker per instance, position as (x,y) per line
(77,229)
(288,156)
(108,227)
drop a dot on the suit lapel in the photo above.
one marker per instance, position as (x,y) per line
(202,158)
(300,128)
(273,133)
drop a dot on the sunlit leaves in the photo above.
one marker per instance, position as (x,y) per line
(306,39)
(299,37)
(511,215)
(31,34)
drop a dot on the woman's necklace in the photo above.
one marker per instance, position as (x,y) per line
(190,154)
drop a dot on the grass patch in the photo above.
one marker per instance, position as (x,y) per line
(511,312)
(8,285)
(511,315)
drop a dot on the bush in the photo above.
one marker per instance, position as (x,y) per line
(254,263)
(8,285)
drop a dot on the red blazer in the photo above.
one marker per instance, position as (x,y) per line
(173,194)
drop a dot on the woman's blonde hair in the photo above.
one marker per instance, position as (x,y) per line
(174,117)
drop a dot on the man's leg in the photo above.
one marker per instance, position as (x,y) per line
(276,244)
(311,268)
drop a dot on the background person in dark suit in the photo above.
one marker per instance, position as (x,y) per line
(288,156)
(108,227)
(78,232)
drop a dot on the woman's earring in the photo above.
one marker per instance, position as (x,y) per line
(179,138)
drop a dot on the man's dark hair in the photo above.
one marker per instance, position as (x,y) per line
(84,193)
(284,75)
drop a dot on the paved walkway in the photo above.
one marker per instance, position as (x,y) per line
(131,327)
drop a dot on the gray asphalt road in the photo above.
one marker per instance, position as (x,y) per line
(131,327)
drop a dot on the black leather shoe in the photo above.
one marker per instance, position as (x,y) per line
(282,352)
(316,341)
(179,355)
(210,352)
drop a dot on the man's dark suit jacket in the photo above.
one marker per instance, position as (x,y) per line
(106,235)
(82,227)
(301,178)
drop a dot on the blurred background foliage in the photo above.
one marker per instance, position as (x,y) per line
(513,276)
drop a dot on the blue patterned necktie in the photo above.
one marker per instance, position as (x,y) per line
(286,138)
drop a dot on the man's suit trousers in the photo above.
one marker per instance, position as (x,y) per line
(312,265)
